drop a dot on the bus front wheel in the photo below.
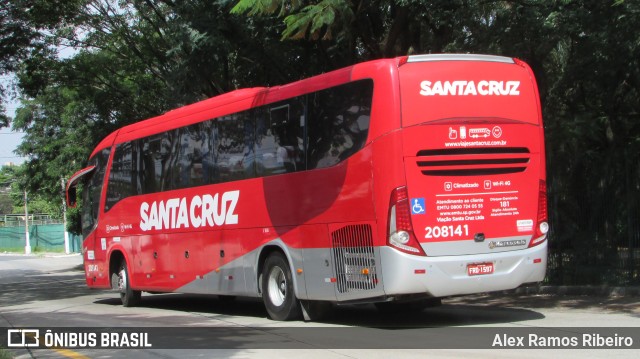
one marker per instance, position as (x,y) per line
(128,296)
(277,289)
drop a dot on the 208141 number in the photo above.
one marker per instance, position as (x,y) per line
(447,231)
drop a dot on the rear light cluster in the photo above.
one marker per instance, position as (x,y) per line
(542,227)
(400,233)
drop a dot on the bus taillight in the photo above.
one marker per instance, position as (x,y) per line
(400,233)
(542,224)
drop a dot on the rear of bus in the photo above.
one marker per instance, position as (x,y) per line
(472,215)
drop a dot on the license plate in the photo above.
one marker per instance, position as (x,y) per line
(479,269)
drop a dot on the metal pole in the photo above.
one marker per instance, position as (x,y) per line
(27,247)
(64,218)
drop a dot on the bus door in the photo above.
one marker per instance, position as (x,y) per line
(92,179)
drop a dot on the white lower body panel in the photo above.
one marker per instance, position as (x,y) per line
(447,275)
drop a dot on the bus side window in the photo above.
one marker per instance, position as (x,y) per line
(234,151)
(266,145)
(150,172)
(121,182)
(210,140)
(279,137)
(338,123)
(194,149)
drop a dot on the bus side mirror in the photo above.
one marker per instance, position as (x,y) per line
(71,197)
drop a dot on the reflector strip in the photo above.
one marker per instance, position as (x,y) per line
(460,57)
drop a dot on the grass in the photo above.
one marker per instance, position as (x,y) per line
(5,354)
(35,250)
(12,250)
(47,250)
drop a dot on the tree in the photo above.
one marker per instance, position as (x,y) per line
(363,30)
(7,177)
(135,60)
(23,24)
(12,194)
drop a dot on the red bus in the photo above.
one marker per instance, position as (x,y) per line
(394,181)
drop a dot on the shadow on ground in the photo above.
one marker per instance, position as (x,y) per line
(622,304)
(34,286)
(353,315)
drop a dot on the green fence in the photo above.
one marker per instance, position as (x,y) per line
(42,238)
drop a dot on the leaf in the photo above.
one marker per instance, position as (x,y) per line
(296,26)
(243,6)
(265,7)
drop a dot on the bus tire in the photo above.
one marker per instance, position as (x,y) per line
(128,296)
(277,289)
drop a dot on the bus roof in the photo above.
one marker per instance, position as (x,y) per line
(243,99)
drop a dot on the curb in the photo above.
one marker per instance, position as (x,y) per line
(54,255)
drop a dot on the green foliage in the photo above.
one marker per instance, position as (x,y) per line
(6,204)
(4,119)
(15,179)
(5,354)
(8,189)
(7,177)
(314,19)
(74,222)
(264,7)
(23,24)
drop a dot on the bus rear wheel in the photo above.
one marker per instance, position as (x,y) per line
(128,296)
(277,289)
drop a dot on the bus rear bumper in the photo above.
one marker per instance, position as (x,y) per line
(442,276)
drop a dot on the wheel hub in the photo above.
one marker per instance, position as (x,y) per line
(277,286)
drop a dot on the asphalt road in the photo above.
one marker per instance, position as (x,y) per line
(49,292)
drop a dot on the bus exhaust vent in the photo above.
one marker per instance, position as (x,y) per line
(473,161)
(354,258)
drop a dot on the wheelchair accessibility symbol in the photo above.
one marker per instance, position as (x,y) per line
(417,206)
